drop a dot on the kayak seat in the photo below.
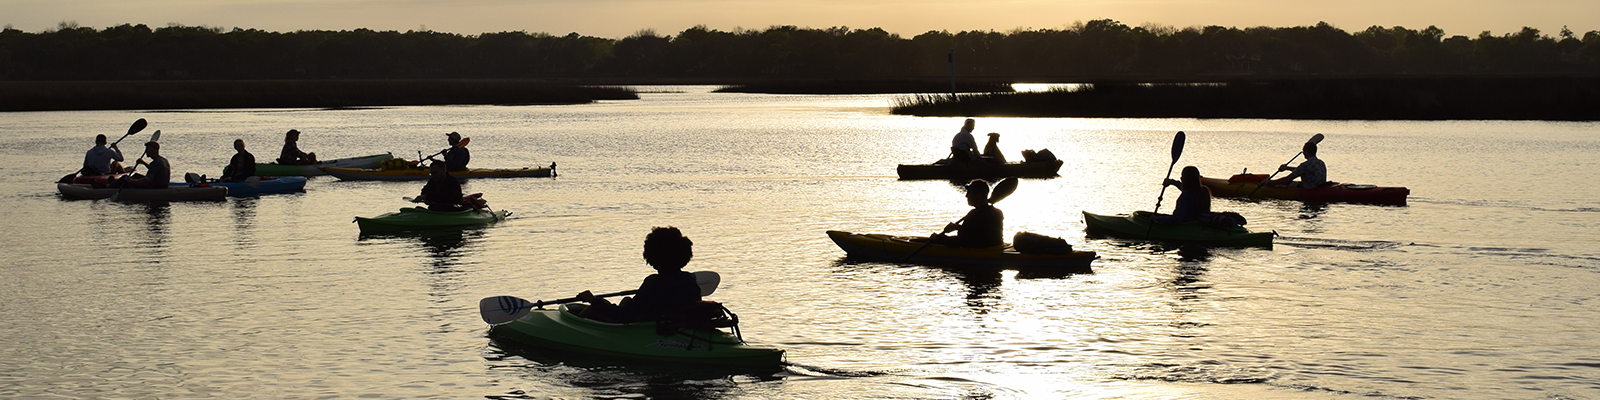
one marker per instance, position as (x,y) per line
(705,315)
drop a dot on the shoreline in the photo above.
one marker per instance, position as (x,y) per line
(160,95)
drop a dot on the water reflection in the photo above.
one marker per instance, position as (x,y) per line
(244,217)
(444,246)
(983,284)
(157,216)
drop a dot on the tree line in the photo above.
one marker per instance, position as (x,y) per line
(1085,51)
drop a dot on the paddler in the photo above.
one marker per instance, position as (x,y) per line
(456,157)
(242,166)
(100,159)
(964,147)
(1312,173)
(442,192)
(669,290)
(1194,202)
(155,177)
(982,227)
(291,154)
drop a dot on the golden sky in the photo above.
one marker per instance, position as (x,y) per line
(619,18)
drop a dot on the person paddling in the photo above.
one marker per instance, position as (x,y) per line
(442,192)
(100,159)
(456,157)
(242,166)
(668,291)
(984,226)
(291,154)
(1312,172)
(155,177)
(1195,200)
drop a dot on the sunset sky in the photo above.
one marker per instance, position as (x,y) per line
(619,18)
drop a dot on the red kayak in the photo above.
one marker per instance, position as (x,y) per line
(1245,185)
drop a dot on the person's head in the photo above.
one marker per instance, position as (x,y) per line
(238,145)
(100,139)
(454,138)
(438,168)
(152,147)
(291,136)
(968,124)
(1191,176)
(667,250)
(977,192)
(1310,149)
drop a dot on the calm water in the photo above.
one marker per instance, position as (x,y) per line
(1485,286)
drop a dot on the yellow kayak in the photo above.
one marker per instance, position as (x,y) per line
(421,174)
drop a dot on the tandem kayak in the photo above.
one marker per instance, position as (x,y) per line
(1244,185)
(974,170)
(275,169)
(252,188)
(1137,226)
(411,218)
(184,193)
(879,247)
(563,329)
(421,174)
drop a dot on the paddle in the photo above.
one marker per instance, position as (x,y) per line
(154,137)
(1001,190)
(498,310)
(1315,139)
(1177,151)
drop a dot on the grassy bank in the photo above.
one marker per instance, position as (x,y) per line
(865,87)
(1523,98)
(146,95)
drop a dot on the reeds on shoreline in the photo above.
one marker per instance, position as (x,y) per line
(143,95)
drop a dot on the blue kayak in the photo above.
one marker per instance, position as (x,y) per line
(252,188)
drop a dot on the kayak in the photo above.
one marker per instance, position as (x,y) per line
(100,179)
(1244,185)
(879,247)
(563,329)
(410,218)
(974,170)
(184,193)
(1137,226)
(421,174)
(275,169)
(269,185)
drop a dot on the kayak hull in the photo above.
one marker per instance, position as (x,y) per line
(275,169)
(278,185)
(1137,226)
(1245,185)
(563,329)
(417,218)
(975,170)
(421,174)
(185,193)
(880,247)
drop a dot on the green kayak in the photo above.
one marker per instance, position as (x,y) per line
(1137,226)
(563,329)
(410,218)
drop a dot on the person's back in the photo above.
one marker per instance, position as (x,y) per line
(1312,173)
(442,192)
(160,172)
(243,164)
(1192,203)
(667,291)
(660,294)
(964,147)
(291,154)
(984,226)
(97,161)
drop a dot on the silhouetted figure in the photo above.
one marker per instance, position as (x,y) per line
(291,154)
(155,177)
(1195,200)
(101,160)
(456,157)
(442,192)
(964,147)
(1312,172)
(982,227)
(668,291)
(991,151)
(242,166)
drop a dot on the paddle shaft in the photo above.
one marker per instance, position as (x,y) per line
(1177,151)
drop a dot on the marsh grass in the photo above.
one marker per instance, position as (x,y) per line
(1538,98)
(142,95)
(864,87)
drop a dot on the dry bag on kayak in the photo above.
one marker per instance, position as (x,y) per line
(1223,219)
(1033,243)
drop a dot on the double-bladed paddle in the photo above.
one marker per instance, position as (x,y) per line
(462,143)
(154,137)
(498,310)
(1001,190)
(1314,140)
(132,129)
(1177,151)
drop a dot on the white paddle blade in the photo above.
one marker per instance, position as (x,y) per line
(156,137)
(503,309)
(708,281)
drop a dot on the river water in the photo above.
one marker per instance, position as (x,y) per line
(1484,286)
